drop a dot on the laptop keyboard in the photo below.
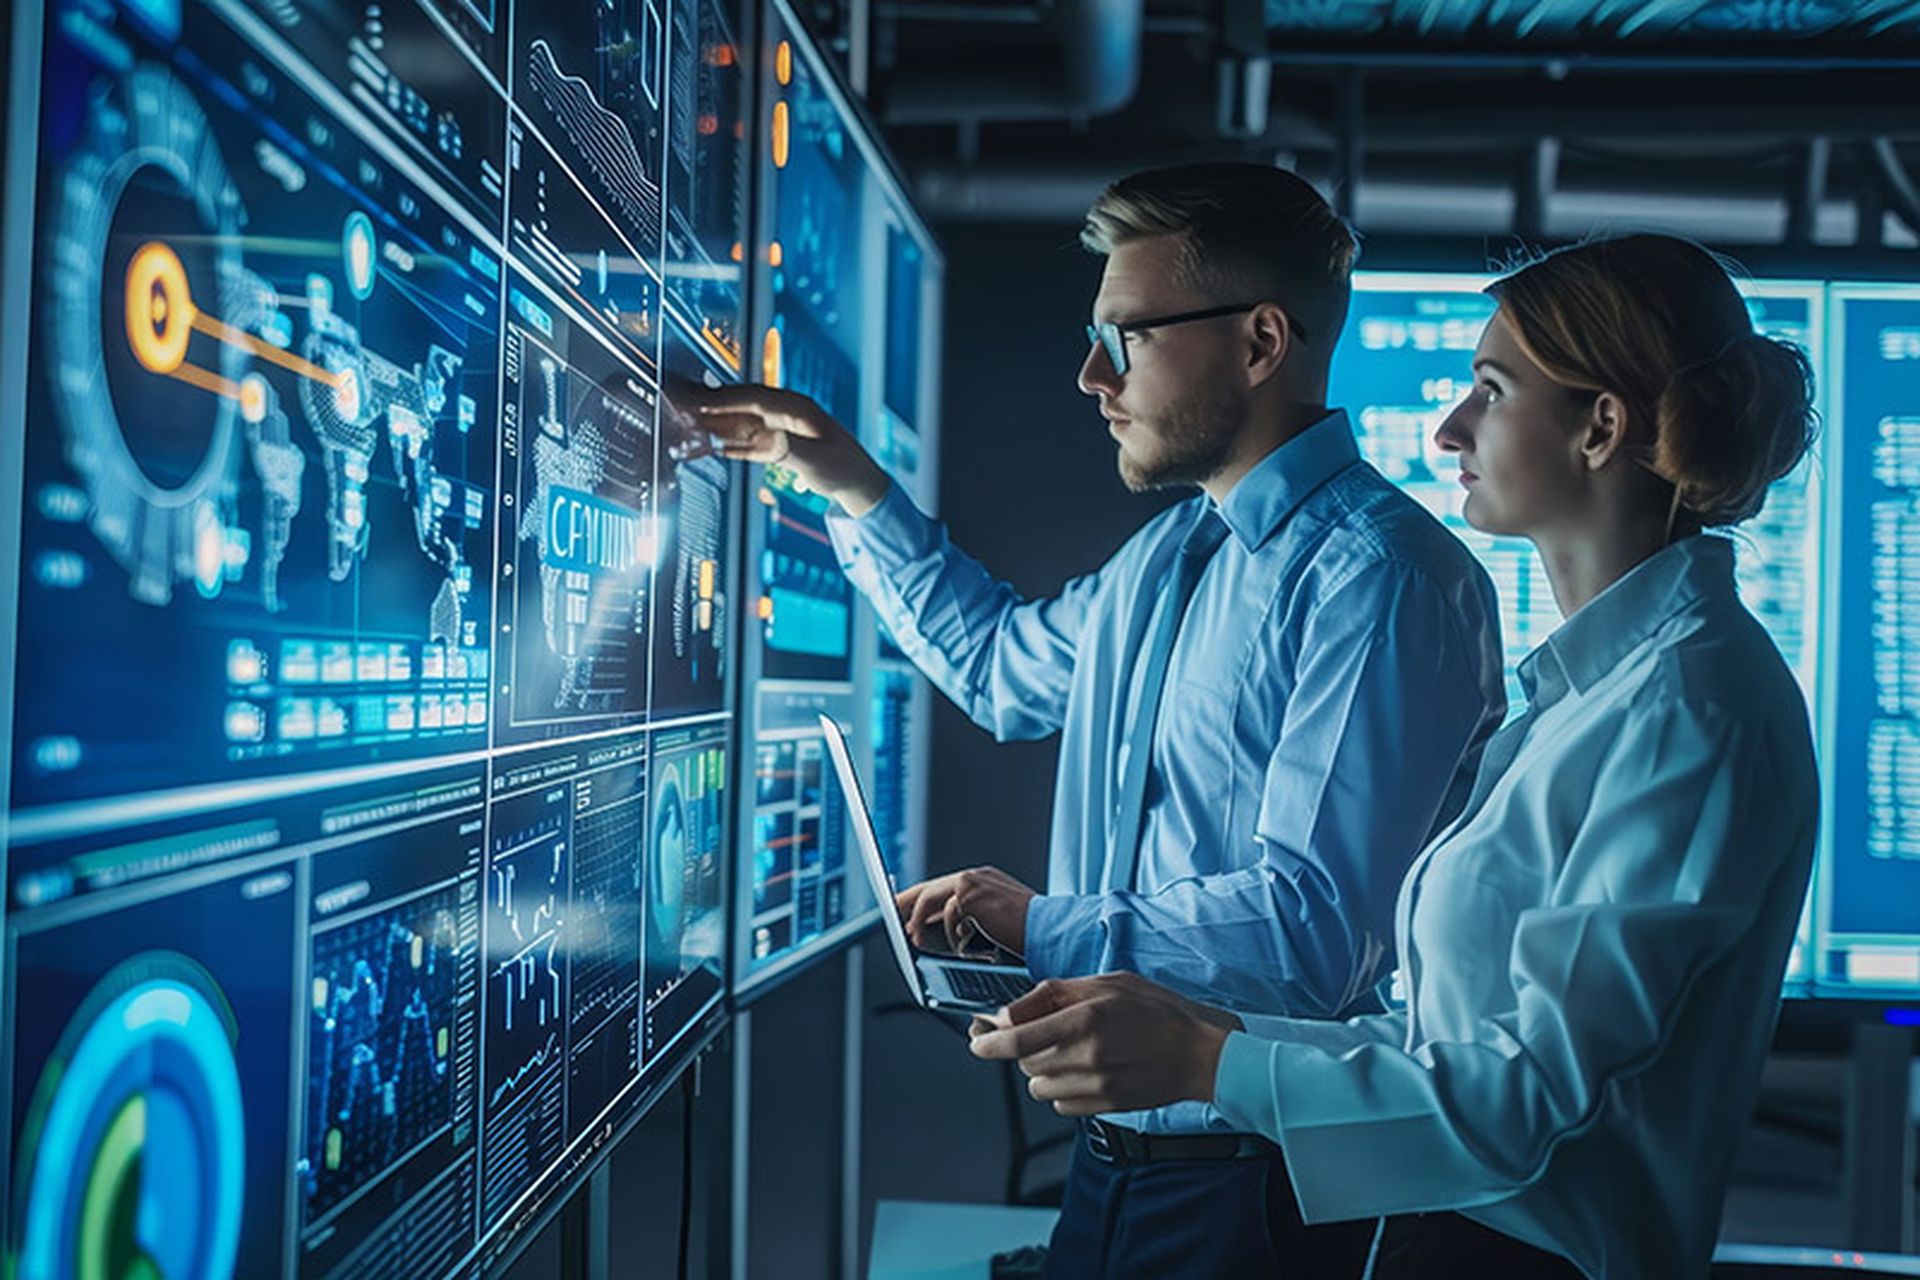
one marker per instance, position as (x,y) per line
(988,986)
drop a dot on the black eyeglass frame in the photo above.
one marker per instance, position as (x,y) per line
(1112,334)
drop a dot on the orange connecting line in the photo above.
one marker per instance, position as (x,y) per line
(161,313)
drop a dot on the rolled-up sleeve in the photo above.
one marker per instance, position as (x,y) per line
(1387,711)
(1005,661)
(1689,831)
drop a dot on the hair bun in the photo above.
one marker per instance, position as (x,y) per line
(1731,425)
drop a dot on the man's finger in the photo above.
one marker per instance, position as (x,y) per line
(926,908)
(1048,997)
(782,410)
(1025,1040)
(737,431)
(1073,1094)
(955,923)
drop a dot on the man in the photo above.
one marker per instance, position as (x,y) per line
(1267,699)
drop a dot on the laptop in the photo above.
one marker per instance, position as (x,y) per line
(937,982)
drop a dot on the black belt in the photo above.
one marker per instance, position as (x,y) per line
(1118,1145)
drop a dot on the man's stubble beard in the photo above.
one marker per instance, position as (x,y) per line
(1193,441)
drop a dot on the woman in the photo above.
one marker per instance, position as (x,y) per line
(1591,953)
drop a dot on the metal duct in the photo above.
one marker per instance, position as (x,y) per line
(1091,69)
(1414,207)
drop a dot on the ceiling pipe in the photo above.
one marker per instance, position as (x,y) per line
(1809,188)
(1533,191)
(1350,142)
(1407,205)
(1245,88)
(1091,68)
(1243,76)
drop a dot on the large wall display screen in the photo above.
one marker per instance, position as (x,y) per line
(369,755)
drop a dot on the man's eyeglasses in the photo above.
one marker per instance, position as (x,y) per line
(1112,334)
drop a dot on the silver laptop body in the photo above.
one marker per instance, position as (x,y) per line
(937,982)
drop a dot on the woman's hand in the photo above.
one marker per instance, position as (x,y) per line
(1110,1043)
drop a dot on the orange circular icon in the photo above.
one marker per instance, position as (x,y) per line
(159,307)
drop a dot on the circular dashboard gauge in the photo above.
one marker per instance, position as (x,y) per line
(144,238)
(669,857)
(135,1160)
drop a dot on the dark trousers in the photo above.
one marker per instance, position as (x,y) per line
(1198,1218)
(1445,1246)
(1238,1218)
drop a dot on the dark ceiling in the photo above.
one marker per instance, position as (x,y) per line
(1755,122)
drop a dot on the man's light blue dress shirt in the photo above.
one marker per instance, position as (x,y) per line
(1334,680)
(1592,954)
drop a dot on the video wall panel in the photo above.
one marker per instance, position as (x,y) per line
(847,313)
(369,749)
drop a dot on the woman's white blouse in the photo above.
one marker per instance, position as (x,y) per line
(1591,953)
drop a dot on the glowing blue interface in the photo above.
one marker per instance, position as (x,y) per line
(1820,567)
(848,283)
(370,772)
(1868,899)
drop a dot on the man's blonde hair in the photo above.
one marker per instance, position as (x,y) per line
(1248,230)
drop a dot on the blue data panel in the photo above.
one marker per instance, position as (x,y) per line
(818,292)
(707,158)
(1870,895)
(259,477)
(151,1068)
(358,587)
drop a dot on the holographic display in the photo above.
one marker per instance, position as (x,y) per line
(848,283)
(816,279)
(261,470)
(349,545)
(692,615)
(580,459)
(389,1138)
(686,880)
(707,176)
(590,78)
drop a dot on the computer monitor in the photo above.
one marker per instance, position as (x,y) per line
(902,431)
(368,729)
(1813,566)
(829,203)
(1867,893)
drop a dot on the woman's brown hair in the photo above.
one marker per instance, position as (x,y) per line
(1721,411)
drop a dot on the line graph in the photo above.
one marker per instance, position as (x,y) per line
(381,1009)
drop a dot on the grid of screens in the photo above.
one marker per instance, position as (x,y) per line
(836,232)
(1831,567)
(370,777)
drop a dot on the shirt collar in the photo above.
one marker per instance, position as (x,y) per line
(1623,617)
(1267,495)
